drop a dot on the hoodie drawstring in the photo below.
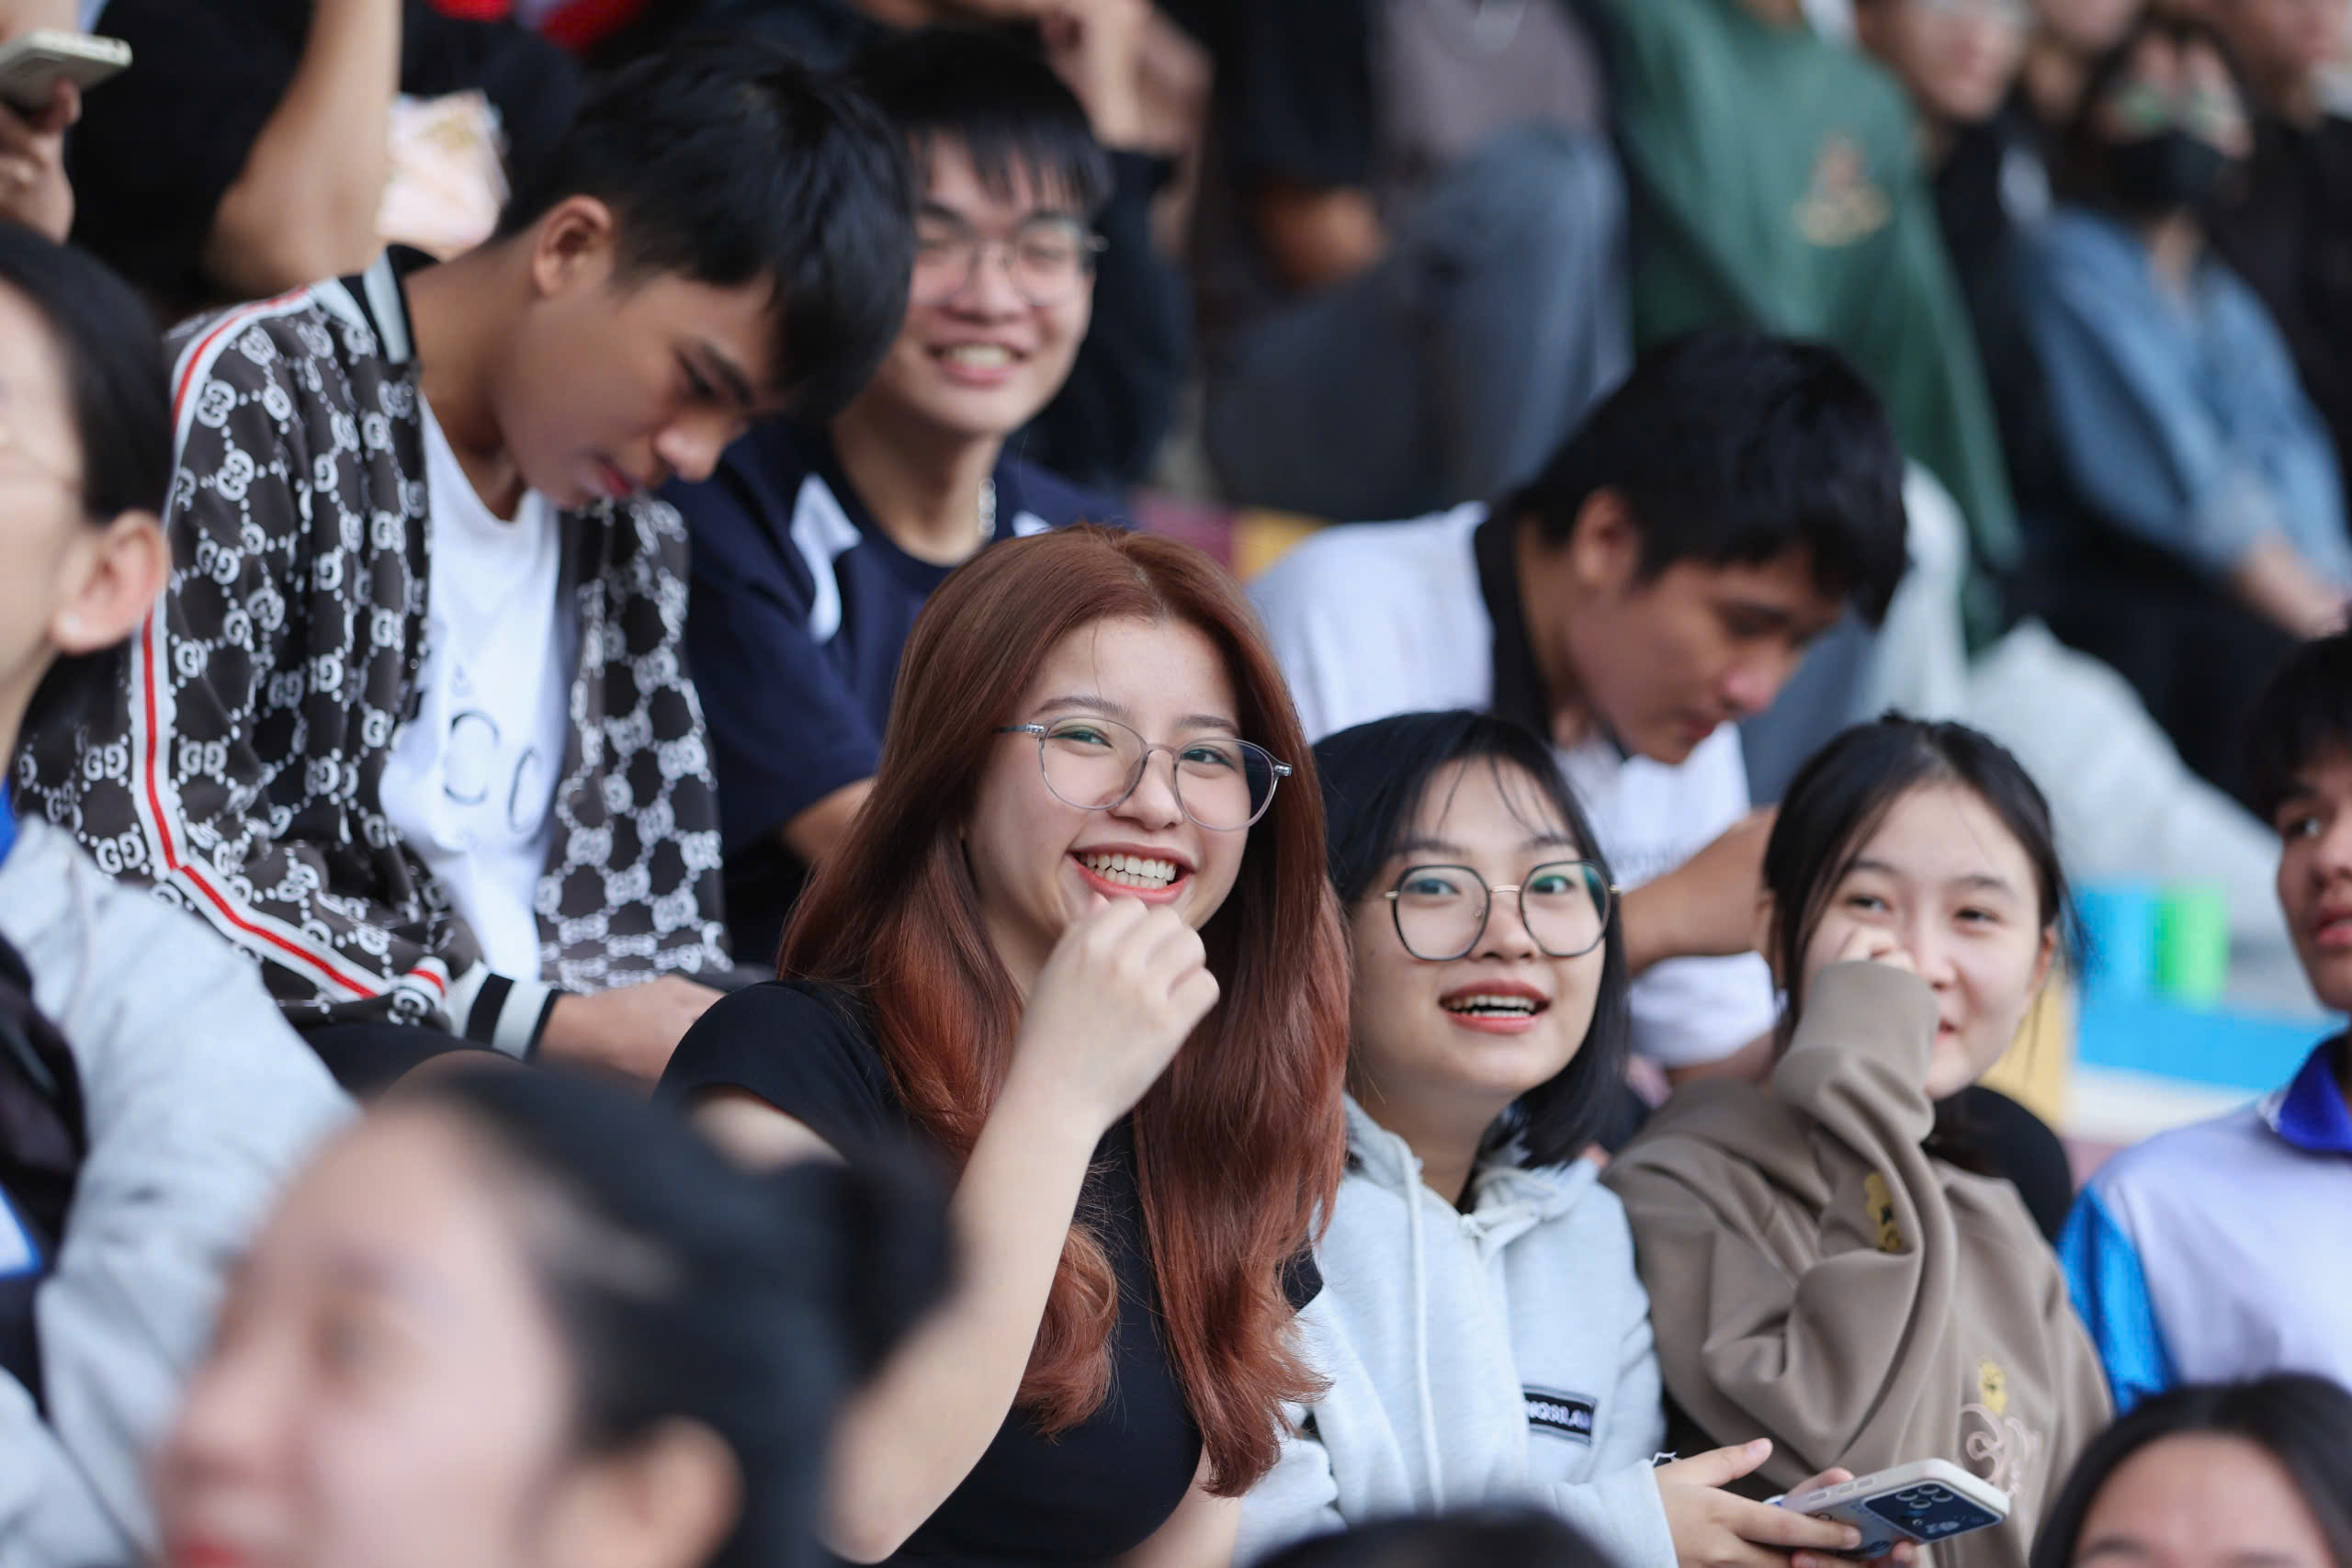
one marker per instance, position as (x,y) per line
(1413,1197)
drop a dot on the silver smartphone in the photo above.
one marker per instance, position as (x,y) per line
(1928,1502)
(33,63)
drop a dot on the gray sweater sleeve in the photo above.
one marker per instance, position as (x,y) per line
(200,1103)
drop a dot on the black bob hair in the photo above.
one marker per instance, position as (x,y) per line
(1376,777)
(1837,800)
(1734,447)
(2304,712)
(727,162)
(997,98)
(1476,1538)
(687,1288)
(118,387)
(2303,1423)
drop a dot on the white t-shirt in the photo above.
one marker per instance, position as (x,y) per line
(1377,618)
(470,783)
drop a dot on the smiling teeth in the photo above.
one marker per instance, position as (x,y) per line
(1509,1007)
(1130,871)
(981,355)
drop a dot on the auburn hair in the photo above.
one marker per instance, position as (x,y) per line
(1240,1144)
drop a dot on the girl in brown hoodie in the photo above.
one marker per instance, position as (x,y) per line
(1823,1267)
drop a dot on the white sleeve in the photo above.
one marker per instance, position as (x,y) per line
(199,1103)
(49,1512)
(1344,664)
(1298,1498)
(1692,1010)
(1622,1512)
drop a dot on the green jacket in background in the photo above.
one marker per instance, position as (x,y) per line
(1777,184)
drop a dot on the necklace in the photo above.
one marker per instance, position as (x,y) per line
(988,509)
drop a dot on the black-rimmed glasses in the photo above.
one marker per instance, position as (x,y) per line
(1442,909)
(1094,764)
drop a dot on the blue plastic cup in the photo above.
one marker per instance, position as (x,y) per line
(2119,938)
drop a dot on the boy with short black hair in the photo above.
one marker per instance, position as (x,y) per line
(816,544)
(2192,1256)
(1661,578)
(412,723)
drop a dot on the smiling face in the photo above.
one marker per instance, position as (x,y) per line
(1039,862)
(1943,879)
(615,385)
(1476,1032)
(977,357)
(2315,823)
(386,1387)
(2200,1500)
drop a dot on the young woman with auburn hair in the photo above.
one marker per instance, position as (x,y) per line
(1080,945)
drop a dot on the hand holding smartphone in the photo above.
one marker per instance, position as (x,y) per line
(32,64)
(1928,1502)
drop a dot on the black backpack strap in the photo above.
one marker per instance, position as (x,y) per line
(43,1140)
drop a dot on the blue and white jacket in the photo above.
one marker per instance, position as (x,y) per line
(2218,1251)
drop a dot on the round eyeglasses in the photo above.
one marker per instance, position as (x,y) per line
(1045,258)
(1442,909)
(1095,763)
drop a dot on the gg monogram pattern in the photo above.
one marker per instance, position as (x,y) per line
(236,770)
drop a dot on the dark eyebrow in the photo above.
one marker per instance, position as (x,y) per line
(1421,843)
(1089,703)
(729,375)
(1763,610)
(1979,879)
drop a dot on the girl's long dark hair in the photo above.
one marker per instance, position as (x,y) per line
(1376,778)
(2302,1422)
(1838,799)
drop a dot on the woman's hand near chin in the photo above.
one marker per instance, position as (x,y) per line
(1117,1000)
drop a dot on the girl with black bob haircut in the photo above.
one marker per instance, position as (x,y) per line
(1818,1267)
(1472,1261)
(2213,1474)
(521,1317)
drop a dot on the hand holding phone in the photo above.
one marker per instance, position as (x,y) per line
(1928,1502)
(31,65)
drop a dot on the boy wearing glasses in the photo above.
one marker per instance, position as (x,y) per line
(815,545)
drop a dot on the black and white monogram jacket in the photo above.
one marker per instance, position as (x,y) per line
(236,768)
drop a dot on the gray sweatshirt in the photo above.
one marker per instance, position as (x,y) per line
(1500,1355)
(199,1102)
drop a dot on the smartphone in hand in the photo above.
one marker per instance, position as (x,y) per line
(1928,1502)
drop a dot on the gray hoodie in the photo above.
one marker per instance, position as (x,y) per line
(199,1100)
(1498,1355)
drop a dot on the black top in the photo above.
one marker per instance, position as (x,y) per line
(160,145)
(1099,1489)
(2286,228)
(799,608)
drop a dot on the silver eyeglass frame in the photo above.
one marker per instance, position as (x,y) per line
(1280,769)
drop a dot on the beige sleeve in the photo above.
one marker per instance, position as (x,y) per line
(1829,1360)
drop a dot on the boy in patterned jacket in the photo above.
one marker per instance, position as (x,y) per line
(409,723)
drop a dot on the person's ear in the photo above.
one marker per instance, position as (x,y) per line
(1604,547)
(668,1501)
(574,243)
(1767,911)
(113,577)
(2045,959)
